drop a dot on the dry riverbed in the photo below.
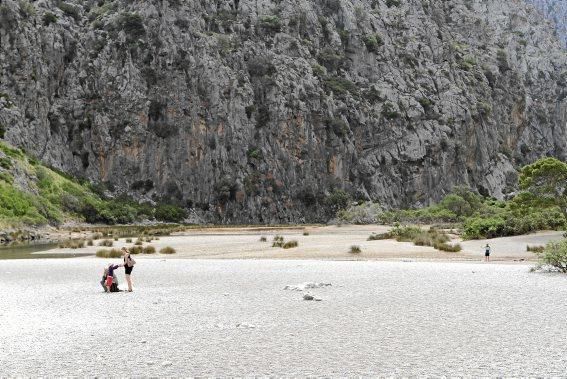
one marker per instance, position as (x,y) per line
(327,242)
(234,318)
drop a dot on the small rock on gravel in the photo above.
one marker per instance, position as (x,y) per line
(244,325)
(306,285)
(308,297)
(166,363)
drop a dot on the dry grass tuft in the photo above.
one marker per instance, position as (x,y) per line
(106,243)
(167,250)
(113,253)
(355,249)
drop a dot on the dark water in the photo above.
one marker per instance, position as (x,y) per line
(24,251)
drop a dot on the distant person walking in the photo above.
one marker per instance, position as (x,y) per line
(487,253)
(129,263)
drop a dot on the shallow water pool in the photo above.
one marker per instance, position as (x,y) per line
(26,251)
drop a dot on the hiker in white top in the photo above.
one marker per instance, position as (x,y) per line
(487,253)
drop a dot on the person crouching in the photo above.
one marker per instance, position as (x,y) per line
(110,276)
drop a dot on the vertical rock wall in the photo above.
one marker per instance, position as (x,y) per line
(257,110)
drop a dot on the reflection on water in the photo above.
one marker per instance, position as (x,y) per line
(25,251)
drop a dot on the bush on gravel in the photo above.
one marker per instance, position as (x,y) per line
(355,249)
(167,250)
(555,255)
(290,244)
(72,244)
(113,253)
(106,243)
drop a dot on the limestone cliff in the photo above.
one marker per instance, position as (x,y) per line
(556,11)
(257,110)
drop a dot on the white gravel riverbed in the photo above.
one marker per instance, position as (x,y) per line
(234,318)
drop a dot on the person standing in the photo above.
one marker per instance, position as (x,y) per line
(129,263)
(487,253)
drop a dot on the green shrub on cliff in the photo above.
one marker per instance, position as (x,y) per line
(132,24)
(17,207)
(254,153)
(5,163)
(169,213)
(372,42)
(271,24)
(51,196)
(70,10)
(27,9)
(337,200)
(49,18)
(337,125)
(330,59)
(340,86)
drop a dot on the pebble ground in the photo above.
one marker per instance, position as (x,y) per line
(233,318)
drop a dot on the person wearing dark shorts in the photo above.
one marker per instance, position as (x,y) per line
(129,263)
(487,253)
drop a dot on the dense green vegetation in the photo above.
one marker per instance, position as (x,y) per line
(541,204)
(482,217)
(45,196)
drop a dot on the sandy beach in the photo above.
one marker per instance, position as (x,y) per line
(234,318)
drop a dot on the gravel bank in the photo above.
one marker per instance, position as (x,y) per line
(328,242)
(211,317)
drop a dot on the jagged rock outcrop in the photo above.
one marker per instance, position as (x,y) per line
(556,11)
(256,111)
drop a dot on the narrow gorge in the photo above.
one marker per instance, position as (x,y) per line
(259,111)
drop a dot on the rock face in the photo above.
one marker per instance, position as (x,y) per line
(256,111)
(556,11)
